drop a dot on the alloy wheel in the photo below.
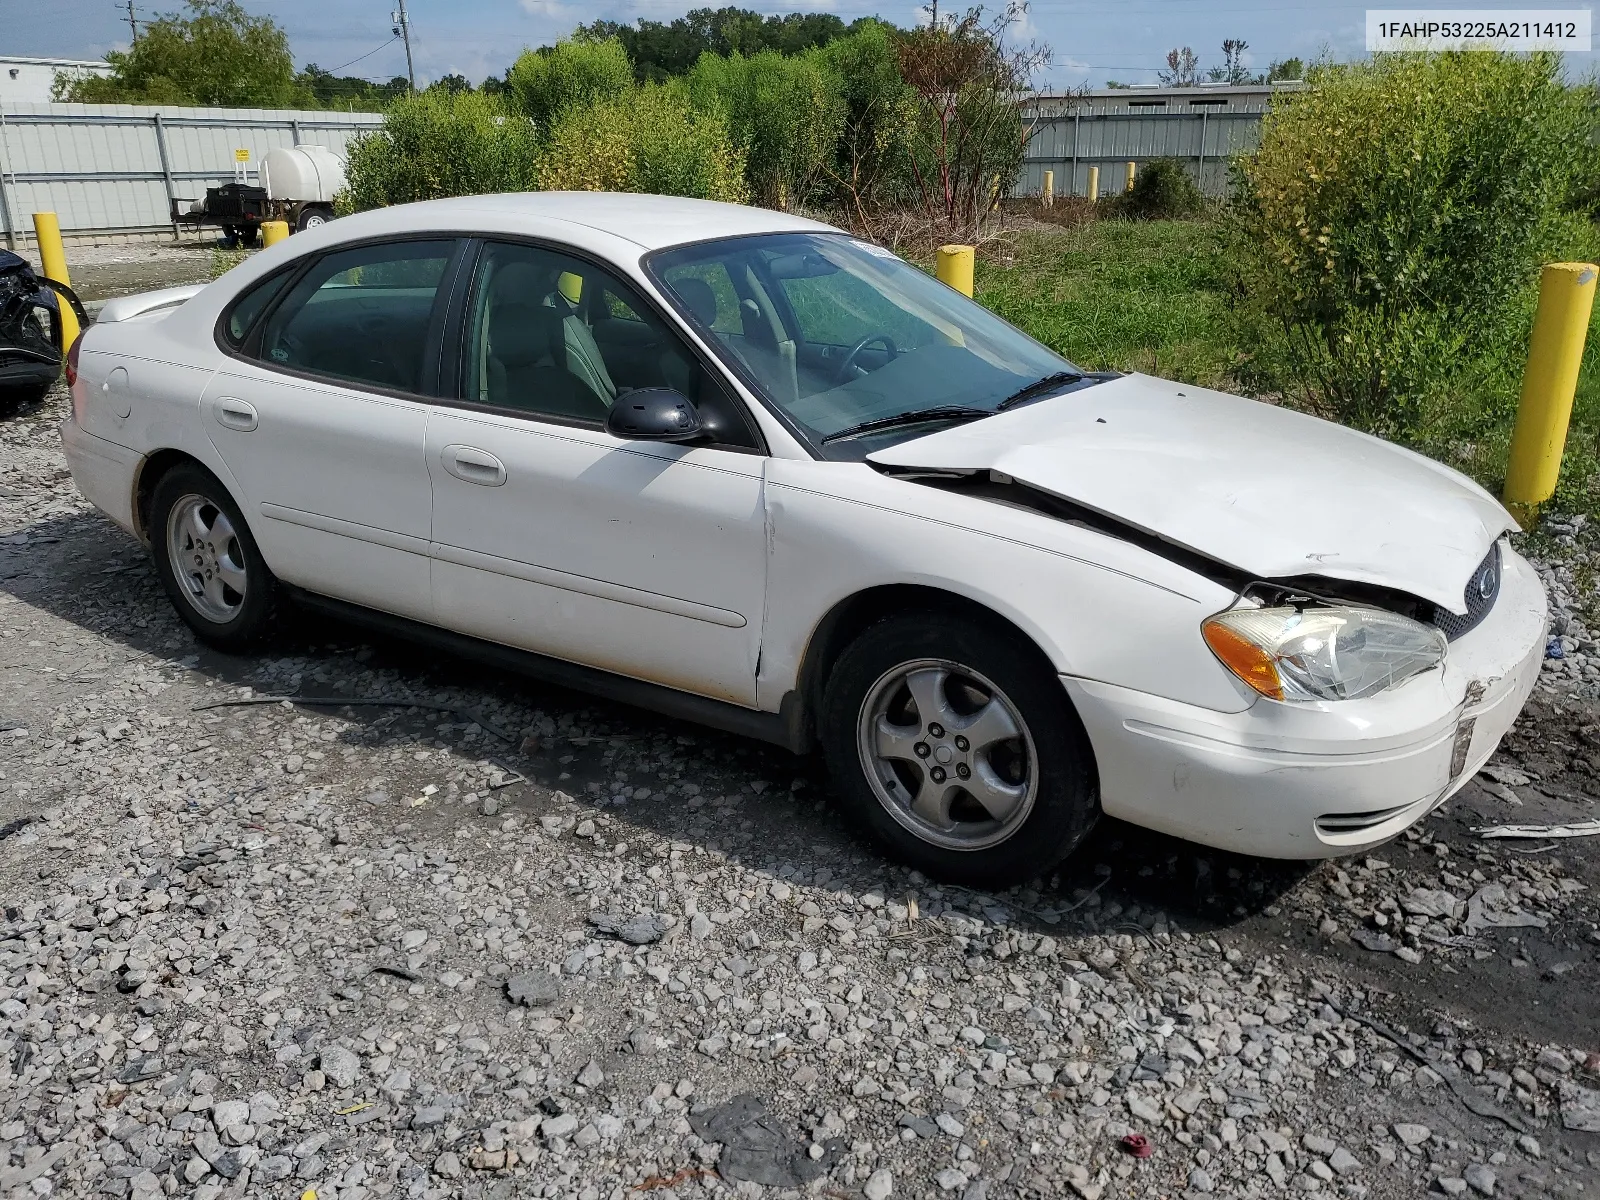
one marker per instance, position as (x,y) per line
(206,558)
(947,754)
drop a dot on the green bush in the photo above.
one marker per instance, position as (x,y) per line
(548,82)
(1162,190)
(868,169)
(440,144)
(1394,216)
(649,140)
(785,114)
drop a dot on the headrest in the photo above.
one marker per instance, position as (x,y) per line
(520,281)
(523,334)
(700,299)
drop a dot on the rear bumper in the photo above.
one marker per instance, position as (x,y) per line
(104,472)
(1319,780)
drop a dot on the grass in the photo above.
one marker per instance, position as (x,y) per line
(1122,295)
(1157,297)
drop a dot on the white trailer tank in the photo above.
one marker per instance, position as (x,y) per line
(303,174)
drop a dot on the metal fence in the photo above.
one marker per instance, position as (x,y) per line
(1202,127)
(112,169)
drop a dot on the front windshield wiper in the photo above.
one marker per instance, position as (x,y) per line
(1038,387)
(943,412)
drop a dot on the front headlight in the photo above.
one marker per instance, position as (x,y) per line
(1317,653)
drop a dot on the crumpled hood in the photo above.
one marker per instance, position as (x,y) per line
(1270,491)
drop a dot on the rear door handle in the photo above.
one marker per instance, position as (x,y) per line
(235,413)
(471,465)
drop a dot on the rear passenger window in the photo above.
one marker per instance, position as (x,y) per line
(251,305)
(361,315)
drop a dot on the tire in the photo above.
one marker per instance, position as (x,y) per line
(222,588)
(249,236)
(311,216)
(1028,755)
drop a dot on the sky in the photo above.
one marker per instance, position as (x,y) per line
(1091,42)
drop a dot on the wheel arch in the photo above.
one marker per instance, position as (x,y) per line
(154,466)
(854,613)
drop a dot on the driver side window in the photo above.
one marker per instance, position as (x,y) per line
(556,337)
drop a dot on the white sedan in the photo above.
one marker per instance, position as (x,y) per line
(741,467)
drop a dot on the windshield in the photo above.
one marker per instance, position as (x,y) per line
(839,333)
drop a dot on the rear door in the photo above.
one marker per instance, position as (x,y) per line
(320,414)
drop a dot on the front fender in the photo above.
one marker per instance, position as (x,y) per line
(1097,607)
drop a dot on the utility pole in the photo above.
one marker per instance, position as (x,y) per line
(402,29)
(132,24)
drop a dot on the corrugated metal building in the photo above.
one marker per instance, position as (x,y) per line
(110,169)
(1201,126)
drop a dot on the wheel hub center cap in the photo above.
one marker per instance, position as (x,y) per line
(944,755)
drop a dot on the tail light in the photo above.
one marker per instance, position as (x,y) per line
(72,360)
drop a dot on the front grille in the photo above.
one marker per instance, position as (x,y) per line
(1480,594)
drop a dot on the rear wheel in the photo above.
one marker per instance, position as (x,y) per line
(208,561)
(957,749)
(312,216)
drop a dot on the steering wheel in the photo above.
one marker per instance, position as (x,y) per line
(849,363)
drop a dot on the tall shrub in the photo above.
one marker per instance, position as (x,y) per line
(786,114)
(547,82)
(969,134)
(869,168)
(1393,214)
(650,140)
(440,144)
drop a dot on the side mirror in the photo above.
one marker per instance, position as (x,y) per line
(656,414)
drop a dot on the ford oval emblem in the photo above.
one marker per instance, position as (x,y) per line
(1486,583)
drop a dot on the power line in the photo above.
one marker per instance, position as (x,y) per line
(368,54)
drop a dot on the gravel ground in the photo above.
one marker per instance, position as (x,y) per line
(522,943)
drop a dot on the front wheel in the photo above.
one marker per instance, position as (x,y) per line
(956,747)
(312,216)
(208,561)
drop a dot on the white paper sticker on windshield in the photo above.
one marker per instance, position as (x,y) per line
(875,251)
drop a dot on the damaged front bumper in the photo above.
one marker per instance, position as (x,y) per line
(1303,780)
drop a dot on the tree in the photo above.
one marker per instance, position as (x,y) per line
(661,50)
(1232,69)
(1287,68)
(1183,68)
(323,89)
(969,136)
(216,54)
(454,84)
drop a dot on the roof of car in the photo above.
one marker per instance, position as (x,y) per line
(650,222)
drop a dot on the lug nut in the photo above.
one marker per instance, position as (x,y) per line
(936,730)
(921,749)
(962,744)
(963,771)
(937,774)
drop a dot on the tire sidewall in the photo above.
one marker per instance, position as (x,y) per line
(1066,803)
(254,616)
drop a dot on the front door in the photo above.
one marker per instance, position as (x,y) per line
(549,534)
(320,419)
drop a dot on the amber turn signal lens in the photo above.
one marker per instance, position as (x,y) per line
(1244,658)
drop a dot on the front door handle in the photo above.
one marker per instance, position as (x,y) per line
(471,465)
(235,413)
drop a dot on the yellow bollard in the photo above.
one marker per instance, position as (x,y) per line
(273,232)
(1094,184)
(1555,350)
(955,268)
(1047,197)
(1128,186)
(53,258)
